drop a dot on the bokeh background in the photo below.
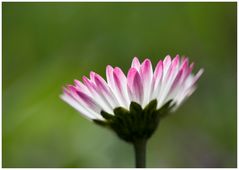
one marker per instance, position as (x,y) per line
(47,45)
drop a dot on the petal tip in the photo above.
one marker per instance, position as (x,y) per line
(136,58)
(109,67)
(76,81)
(168,56)
(135,63)
(147,61)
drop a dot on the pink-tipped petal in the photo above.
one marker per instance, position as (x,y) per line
(100,83)
(135,86)
(111,83)
(83,98)
(175,61)
(135,63)
(188,71)
(117,80)
(130,77)
(182,74)
(109,76)
(138,88)
(168,79)
(96,94)
(187,85)
(198,75)
(177,80)
(88,101)
(92,75)
(66,91)
(88,114)
(157,79)
(120,86)
(71,89)
(146,74)
(88,83)
(184,65)
(105,91)
(158,73)
(184,60)
(80,86)
(173,67)
(158,70)
(71,96)
(166,62)
(146,69)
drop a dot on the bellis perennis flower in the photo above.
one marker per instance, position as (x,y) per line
(172,79)
(133,105)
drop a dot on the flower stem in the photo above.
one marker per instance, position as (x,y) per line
(140,153)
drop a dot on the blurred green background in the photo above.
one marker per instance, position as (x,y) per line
(47,45)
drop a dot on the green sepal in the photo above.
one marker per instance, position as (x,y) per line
(101,122)
(120,111)
(122,121)
(165,109)
(151,106)
(150,110)
(135,108)
(135,123)
(106,115)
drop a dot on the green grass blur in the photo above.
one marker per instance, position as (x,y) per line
(47,45)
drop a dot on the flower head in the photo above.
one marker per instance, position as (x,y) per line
(172,80)
(133,105)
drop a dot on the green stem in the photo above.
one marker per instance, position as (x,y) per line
(140,153)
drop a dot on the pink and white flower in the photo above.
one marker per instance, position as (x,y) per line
(172,79)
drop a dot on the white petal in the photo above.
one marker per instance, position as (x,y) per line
(157,80)
(86,113)
(168,80)
(97,97)
(146,74)
(105,91)
(120,87)
(135,63)
(135,86)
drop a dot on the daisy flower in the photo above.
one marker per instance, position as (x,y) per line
(132,105)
